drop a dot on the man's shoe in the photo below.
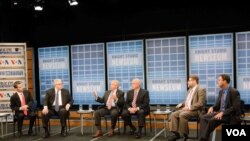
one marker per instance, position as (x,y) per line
(19,134)
(173,138)
(31,133)
(111,132)
(46,132)
(46,135)
(185,137)
(132,130)
(138,135)
(98,134)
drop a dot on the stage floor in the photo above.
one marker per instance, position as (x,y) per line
(75,135)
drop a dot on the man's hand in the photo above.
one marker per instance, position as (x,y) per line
(219,116)
(132,110)
(114,97)
(67,107)
(95,93)
(179,105)
(45,111)
(210,110)
(24,108)
(185,108)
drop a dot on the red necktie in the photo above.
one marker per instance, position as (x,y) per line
(23,104)
(134,99)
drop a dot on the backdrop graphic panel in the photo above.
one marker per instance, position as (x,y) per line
(88,72)
(125,62)
(53,64)
(209,56)
(166,70)
(243,65)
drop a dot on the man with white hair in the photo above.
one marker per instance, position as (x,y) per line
(113,100)
(137,103)
(57,101)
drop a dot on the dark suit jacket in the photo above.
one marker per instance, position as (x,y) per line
(198,99)
(119,94)
(232,105)
(142,100)
(15,102)
(50,98)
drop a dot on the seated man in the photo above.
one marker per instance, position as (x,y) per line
(225,110)
(114,102)
(137,103)
(57,101)
(193,104)
(22,102)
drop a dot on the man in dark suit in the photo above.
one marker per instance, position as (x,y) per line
(191,107)
(57,101)
(225,110)
(114,102)
(22,102)
(137,103)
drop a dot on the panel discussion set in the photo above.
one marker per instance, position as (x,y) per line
(119,70)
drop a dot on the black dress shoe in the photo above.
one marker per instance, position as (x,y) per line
(31,133)
(184,138)
(132,130)
(138,135)
(63,133)
(19,134)
(46,135)
(173,138)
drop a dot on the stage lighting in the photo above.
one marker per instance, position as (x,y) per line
(38,6)
(73,2)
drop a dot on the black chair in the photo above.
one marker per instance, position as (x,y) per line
(134,117)
(15,119)
(67,124)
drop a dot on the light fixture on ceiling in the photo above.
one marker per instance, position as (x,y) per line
(73,2)
(38,6)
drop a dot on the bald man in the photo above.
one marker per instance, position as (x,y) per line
(137,103)
(113,100)
(57,101)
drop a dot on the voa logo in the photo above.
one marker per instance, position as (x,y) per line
(236,132)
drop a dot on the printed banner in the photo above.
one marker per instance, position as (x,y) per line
(166,70)
(53,64)
(210,56)
(88,72)
(243,65)
(125,62)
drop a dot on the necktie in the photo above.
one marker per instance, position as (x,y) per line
(109,102)
(134,99)
(222,102)
(188,100)
(23,104)
(57,101)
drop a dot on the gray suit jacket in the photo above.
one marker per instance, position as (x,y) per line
(198,99)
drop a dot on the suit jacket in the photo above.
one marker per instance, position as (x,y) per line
(198,99)
(50,98)
(232,105)
(142,100)
(15,102)
(119,94)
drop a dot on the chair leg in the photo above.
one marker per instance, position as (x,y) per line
(69,124)
(35,127)
(106,124)
(150,123)
(124,127)
(14,128)
(197,130)
(118,125)
(49,125)
(145,128)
